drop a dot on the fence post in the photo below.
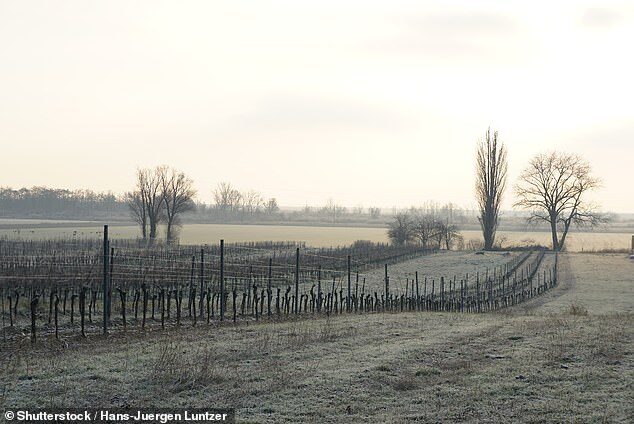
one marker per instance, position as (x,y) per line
(479,298)
(417,293)
(356,293)
(34,302)
(268,286)
(387,284)
(191,286)
(319,295)
(349,291)
(106,258)
(202,279)
(110,273)
(297,281)
(222,281)
(442,293)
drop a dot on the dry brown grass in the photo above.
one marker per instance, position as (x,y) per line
(577,309)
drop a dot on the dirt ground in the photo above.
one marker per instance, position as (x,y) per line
(564,357)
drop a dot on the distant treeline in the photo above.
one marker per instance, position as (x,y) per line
(247,207)
(228,205)
(54,203)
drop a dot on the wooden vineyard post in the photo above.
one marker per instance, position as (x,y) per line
(255,301)
(491,300)
(319,289)
(34,302)
(193,307)
(162,306)
(387,284)
(363,296)
(356,293)
(4,335)
(442,293)
(247,287)
(202,281)
(235,306)
(105,281)
(122,296)
(153,297)
(268,286)
(478,297)
(296,281)
(349,291)
(110,274)
(169,302)
(82,309)
(144,305)
(425,303)
(417,293)
(222,282)
(531,285)
(332,296)
(462,289)
(56,316)
(177,292)
(191,287)
(72,307)
(503,301)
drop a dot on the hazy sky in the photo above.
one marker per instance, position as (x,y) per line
(366,102)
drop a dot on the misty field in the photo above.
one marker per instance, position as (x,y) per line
(317,236)
(565,356)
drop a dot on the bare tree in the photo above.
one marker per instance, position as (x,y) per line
(146,201)
(227,198)
(333,210)
(439,234)
(178,197)
(374,212)
(450,233)
(252,202)
(153,195)
(401,229)
(271,206)
(137,201)
(491,171)
(553,188)
(136,204)
(425,230)
(358,210)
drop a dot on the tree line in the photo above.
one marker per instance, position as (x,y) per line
(425,230)
(58,203)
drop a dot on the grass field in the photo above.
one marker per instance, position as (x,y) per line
(447,264)
(321,236)
(564,357)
